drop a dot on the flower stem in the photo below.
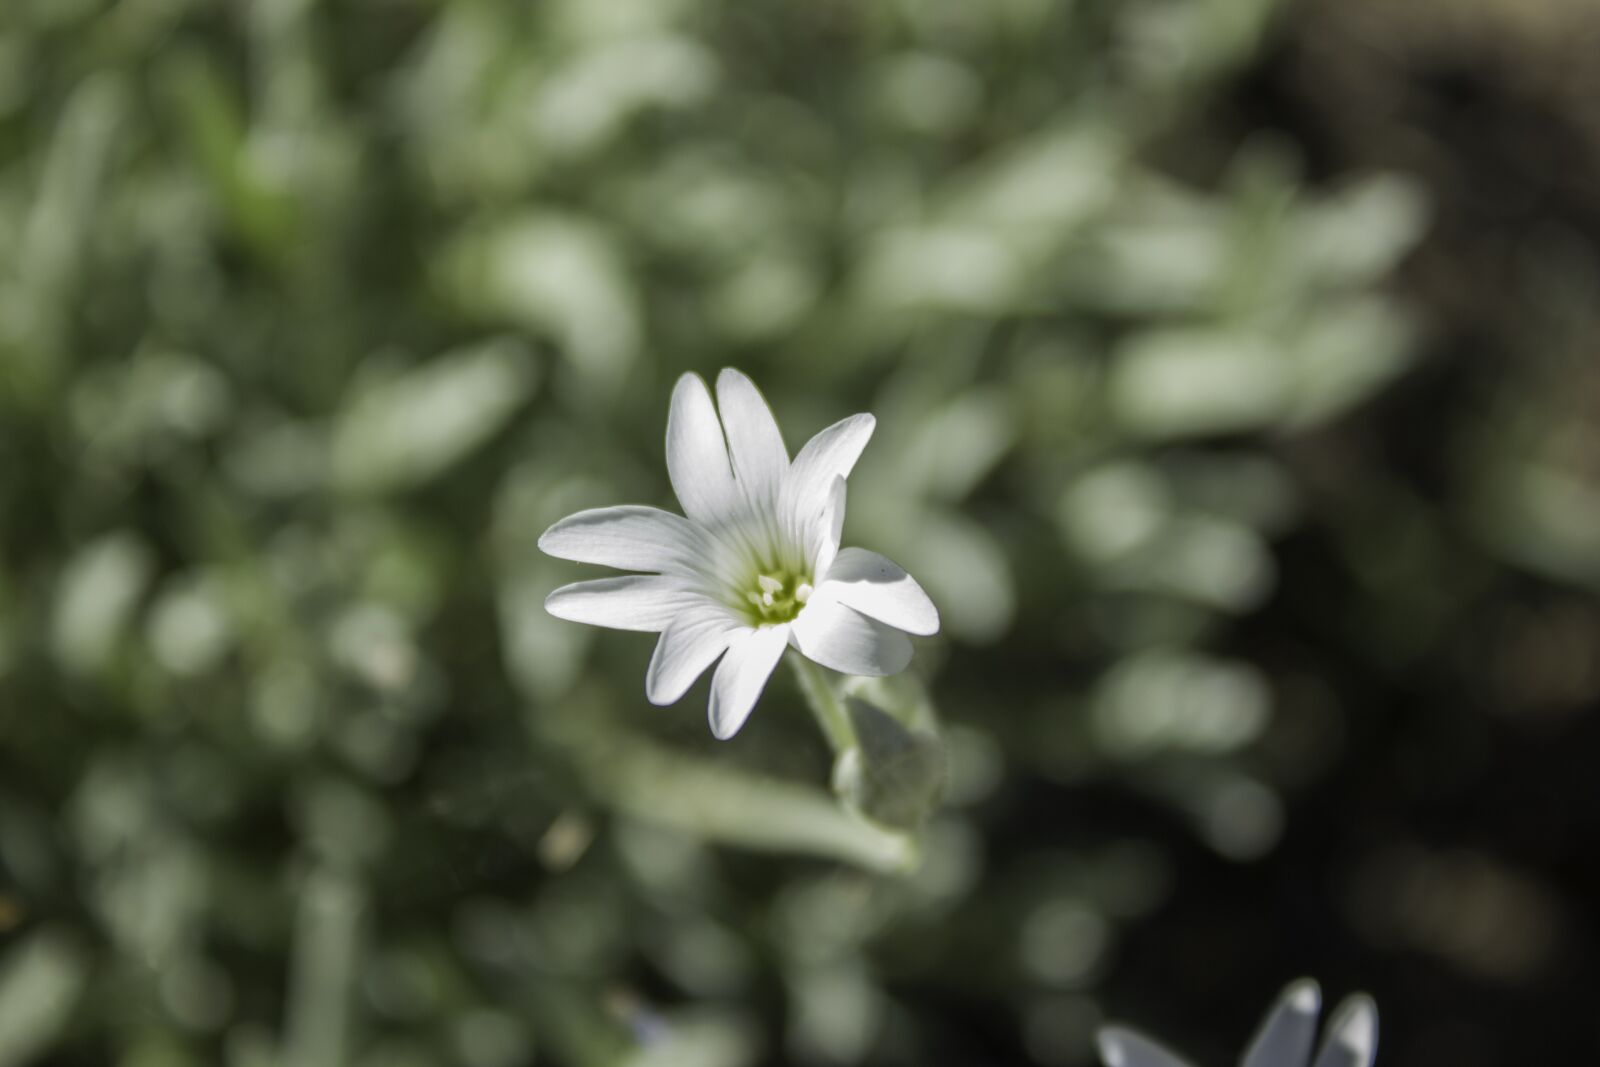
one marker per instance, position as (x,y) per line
(825,704)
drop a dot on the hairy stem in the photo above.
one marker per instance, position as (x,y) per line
(825,704)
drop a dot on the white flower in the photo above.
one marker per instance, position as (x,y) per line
(1284,1040)
(755,566)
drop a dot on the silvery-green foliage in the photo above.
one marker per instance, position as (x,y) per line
(314,320)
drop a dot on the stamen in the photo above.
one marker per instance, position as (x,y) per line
(778,597)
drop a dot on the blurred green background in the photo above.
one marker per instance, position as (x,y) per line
(1238,403)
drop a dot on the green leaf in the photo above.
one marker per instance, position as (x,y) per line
(404,430)
(40,980)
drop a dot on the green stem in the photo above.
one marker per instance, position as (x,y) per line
(824,701)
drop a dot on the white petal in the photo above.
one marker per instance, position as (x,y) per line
(829,455)
(847,641)
(1352,1039)
(821,539)
(754,443)
(1285,1037)
(697,454)
(630,538)
(647,602)
(742,674)
(687,647)
(879,588)
(1120,1047)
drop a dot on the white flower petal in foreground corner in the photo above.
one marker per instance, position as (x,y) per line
(1284,1040)
(753,565)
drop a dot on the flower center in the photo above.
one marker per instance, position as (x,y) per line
(777,597)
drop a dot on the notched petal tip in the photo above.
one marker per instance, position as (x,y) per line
(831,454)
(697,453)
(1286,1034)
(862,425)
(1356,1027)
(547,540)
(755,444)
(724,731)
(1304,996)
(690,395)
(1352,1035)
(1121,1047)
(1110,1042)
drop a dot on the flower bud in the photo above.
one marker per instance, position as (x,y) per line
(893,776)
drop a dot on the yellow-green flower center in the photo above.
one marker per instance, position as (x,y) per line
(777,597)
